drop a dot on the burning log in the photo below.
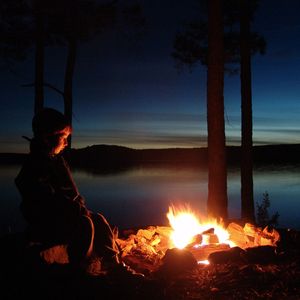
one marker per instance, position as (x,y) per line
(210,238)
(209,231)
(197,240)
(207,237)
(203,252)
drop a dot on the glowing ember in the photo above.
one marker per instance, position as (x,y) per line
(186,226)
(203,262)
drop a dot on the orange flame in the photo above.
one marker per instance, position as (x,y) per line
(185,226)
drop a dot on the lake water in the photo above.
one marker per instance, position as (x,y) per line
(141,196)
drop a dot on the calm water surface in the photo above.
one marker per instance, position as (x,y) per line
(141,196)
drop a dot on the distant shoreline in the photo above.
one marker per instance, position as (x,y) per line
(106,156)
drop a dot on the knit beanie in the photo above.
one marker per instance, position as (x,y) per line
(48,122)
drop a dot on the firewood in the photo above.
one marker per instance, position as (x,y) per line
(210,230)
(238,236)
(202,252)
(210,238)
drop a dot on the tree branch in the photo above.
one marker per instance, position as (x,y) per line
(50,86)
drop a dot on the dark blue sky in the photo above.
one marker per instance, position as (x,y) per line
(132,94)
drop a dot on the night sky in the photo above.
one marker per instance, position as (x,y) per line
(131,94)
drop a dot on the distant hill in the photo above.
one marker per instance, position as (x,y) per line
(106,156)
(110,156)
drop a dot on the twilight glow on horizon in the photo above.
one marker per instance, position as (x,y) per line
(133,95)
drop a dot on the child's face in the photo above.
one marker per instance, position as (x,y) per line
(61,141)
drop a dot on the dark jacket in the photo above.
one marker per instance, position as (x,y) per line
(51,203)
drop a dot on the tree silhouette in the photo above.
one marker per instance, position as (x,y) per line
(39,34)
(191,47)
(217,169)
(77,21)
(243,11)
(23,27)
(247,205)
(246,46)
(204,41)
(71,22)
(63,22)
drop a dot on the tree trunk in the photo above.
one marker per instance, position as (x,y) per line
(68,85)
(217,168)
(39,58)
(247,207)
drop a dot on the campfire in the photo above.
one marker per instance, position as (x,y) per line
(197,258)
(146,248)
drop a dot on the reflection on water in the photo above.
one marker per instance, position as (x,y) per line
(141,196)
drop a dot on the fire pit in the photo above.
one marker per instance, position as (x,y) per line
(247,264)
(147,249)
